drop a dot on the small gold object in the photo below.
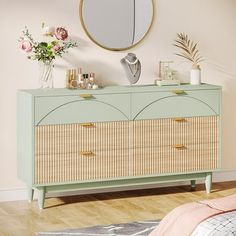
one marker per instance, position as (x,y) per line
(179,146)
(84,95)
(71,81)
(68,79)
(179,119)
(87,124)
(178,91)
(86,153)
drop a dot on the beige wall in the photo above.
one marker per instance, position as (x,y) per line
(210,22)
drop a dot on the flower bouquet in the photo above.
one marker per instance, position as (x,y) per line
(55,44)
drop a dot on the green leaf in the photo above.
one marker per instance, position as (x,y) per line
(42,44)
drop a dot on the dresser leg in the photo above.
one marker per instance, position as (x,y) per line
(41,197)
(208,182)
(193,184)
(30,194)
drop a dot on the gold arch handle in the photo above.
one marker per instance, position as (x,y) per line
(87,153)
(178,91)
(178,146)
(87,125)
(180,119)
(85,95)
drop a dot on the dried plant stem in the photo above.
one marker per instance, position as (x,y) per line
(189,49)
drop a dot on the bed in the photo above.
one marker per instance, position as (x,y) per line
(204,218)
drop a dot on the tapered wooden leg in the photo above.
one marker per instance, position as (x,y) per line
(30,194)
(41,197)
(193,184)
(208,182)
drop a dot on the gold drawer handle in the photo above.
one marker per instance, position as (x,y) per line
(178,91)
(180,119)
(179,146)
(86,153)
(87,125)
(85,95)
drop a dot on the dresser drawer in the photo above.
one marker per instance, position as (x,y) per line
(170,160)
(81,108)
(176,103)
(61,168)
(83,137)
(175,131)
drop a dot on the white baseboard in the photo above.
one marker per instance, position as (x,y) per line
(16,194)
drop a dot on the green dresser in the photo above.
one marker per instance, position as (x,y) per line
(117,136)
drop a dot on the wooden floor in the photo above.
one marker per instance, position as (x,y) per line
(23,219)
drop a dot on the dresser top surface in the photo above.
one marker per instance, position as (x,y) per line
(118,89)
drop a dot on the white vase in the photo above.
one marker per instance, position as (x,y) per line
(46,74)
(195,75)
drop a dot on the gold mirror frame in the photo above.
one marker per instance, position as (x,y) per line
(114,49)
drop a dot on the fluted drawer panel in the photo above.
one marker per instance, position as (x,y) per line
(76,167)
(69,153)
(175,146)
(71,138)
(170,131)
(167,159)
(105,136)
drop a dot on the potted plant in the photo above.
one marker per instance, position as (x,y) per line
(190,52)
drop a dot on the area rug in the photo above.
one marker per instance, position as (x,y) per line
(141,228)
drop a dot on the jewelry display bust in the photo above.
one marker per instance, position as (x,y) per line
(132,67)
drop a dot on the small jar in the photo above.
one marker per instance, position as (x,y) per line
(95,86)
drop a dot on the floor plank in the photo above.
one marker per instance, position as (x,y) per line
(25,219)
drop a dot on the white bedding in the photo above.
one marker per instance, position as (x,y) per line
(219,225)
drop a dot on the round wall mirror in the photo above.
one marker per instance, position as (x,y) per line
(116,24)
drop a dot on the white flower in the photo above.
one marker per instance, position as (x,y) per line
(48,30)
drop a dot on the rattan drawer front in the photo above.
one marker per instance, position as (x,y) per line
(55,139)
(168,159)
(105,136)
(77,152)
(170,131)
(78,167)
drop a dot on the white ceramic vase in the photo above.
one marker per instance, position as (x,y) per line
(195,75)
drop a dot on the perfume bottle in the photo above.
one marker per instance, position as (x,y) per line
(68,79)
(90,81)
(82,83)
(73,79)
(80,76)
(86,81)
(92,78)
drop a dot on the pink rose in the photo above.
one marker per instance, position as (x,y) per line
(56,47)
(61,33)
(26,46)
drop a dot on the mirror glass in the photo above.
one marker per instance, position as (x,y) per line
(116,24)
